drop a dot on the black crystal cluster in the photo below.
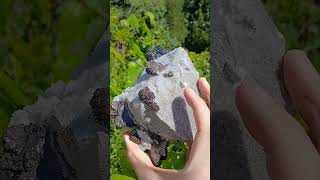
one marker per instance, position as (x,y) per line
(155,53)
(99,104)
(168,74)
(21,151)
(147,96)
(154,68)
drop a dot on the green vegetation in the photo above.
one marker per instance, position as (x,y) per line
(198,23)
(41,42)
(135,27)
(299,22)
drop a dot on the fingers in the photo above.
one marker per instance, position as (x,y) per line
(201,111)
(282,137)
(204,88)
(136,156)
(303,84)
(200,150)
(142,164)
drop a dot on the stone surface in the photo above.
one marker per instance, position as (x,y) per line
(244,36)
(20,154)
(174,119)
(64,134)
(155,104)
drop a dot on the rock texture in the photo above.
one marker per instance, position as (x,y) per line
(244,36)
(64,134)
(155,108)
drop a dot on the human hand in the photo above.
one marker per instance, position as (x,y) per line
(198,165)
(291,153)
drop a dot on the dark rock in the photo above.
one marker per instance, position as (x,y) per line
(154,68)
(155,53)
(22,151)
(121,115)
(168,74)
(158,152)
(147,96)
(99,104)
(147,140)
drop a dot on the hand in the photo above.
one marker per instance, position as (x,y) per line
(291,153)
(198,165)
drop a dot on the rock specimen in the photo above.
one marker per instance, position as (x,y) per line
(154,108)
(244,36)
(63,135)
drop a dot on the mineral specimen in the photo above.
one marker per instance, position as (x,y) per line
(155,105)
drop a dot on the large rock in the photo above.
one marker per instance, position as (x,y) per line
(156,104)
(64,135)
(244,37)
(173,118)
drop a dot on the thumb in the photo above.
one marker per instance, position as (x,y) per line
(136,156)
(139,160)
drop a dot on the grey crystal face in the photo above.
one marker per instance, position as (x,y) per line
(156,104)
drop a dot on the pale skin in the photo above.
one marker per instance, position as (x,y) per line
(291,152)
(198,165)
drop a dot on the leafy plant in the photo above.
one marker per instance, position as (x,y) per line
(197,13)
(299,22)
(41,42)
(176,20)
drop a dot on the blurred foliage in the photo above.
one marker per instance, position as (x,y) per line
(176,20)
(120,177)
(135,27)
(41,42)
(197,13)
(299,22)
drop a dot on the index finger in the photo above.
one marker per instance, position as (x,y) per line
(290,152)
(200,150)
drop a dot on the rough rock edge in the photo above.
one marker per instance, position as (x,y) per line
(25,159)
(147,140)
